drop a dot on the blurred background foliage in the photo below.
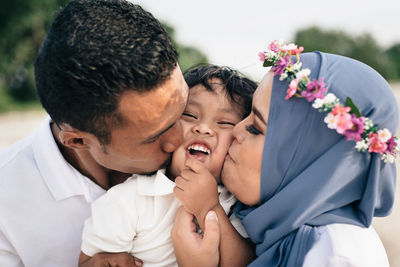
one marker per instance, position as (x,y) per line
(23,26)
(24,23)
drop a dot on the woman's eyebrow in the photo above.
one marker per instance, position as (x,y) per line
(258,114)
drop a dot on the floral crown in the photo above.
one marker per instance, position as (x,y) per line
(346,118)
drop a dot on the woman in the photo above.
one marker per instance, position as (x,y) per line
(311,199)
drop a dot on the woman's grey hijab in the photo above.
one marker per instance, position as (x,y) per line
(313,176)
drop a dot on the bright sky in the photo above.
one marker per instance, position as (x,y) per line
(232,32)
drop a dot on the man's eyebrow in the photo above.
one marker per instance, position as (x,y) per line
(258,114)
(160,133)
(166,129)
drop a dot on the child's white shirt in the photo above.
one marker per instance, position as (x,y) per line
(137,217)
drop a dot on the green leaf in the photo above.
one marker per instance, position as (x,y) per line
(268,63)
(354,110)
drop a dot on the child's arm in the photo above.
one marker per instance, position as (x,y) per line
(197,191)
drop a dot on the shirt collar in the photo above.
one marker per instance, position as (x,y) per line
(61,178)
(155,185)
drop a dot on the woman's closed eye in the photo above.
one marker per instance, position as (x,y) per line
(253,130)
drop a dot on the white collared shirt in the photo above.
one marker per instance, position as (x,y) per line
(137,217)
(43,203)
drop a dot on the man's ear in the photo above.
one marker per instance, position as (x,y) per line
(75,139)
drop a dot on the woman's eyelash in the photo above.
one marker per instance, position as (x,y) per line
(253,130)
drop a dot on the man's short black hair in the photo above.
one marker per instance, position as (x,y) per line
(239,88)
(94,51)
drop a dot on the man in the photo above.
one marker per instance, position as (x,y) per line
(108,77)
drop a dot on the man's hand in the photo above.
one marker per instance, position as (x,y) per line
(109,260)
(191,249)
(197,189)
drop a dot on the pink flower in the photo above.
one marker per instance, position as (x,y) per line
(375,144)
(281,65)
(391,143)
(291,91)
(315,89)
(292,49)
(339,110)
(274,46)
(261,56)
(343,122)
(356,131)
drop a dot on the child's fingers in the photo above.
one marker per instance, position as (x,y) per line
(180,182)
(195,165)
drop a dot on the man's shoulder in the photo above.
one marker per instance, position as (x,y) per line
(16,156)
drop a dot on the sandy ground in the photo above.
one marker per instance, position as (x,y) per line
(16,125)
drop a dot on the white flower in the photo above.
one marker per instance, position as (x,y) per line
(289,46)
(318,103)
(303,73)
(362,145)
(388,158)
(283,76)
(368,124)
(270,54)
(329,98)
(296,66)
(331,120)
(384,135)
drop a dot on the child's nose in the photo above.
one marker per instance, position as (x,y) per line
(203,129)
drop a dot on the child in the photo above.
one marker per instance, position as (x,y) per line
(137,215)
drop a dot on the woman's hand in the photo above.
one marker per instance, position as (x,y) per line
(197,190)
(191,249)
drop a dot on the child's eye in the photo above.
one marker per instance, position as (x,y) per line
(253,130)
(226,123)
(190,115)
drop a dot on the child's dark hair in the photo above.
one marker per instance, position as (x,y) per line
(239,88)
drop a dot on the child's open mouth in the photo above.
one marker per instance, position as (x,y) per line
(198,151)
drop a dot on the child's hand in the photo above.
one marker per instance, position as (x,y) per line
(197,189)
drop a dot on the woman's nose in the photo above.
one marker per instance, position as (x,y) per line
(203,129)
(239,131)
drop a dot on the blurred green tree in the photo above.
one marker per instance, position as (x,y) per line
(23,26)
(188,55)
(394,54)
(363,48)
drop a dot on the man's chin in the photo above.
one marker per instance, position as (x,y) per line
(162,166)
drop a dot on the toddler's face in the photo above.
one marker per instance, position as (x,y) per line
(207,123)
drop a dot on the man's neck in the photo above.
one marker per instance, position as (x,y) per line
(82,161)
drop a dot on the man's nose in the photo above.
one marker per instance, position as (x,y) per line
(173,138)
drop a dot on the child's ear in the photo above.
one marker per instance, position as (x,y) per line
(75,139)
